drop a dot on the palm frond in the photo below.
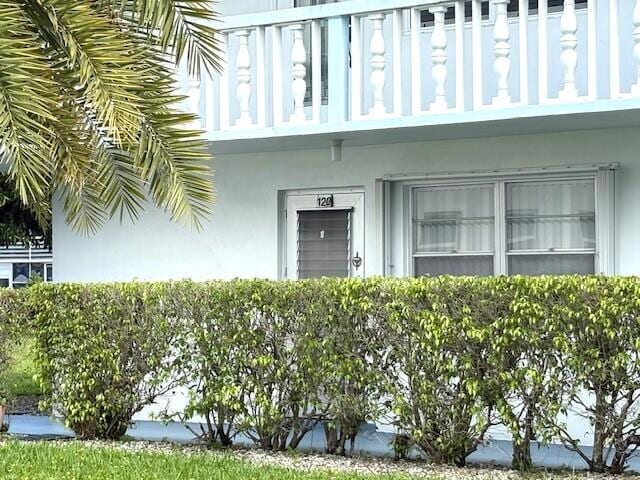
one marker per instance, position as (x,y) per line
(180,27)
(88,107)
(27,96)
(174,162)
(83,206)
(86,45)
(120,180)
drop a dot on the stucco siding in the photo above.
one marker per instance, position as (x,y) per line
(242,238)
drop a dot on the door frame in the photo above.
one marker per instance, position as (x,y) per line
(283,219)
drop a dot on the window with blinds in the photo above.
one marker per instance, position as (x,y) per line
(551,227)
(324,243)
(544,227)
(454,230)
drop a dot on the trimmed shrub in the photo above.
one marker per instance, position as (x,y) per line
(527,358)
(602,323)
(272,360)
(283,371)
(254,351)
(13,315)
(212,358)
(439,345)
(104,351)
(444,359)
(355,352)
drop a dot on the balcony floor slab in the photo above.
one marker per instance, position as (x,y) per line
(488,122)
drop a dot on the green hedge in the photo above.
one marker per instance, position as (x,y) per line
(443,359)
(12,313)
(102,351)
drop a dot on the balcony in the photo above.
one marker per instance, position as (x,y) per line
(36,250)
(375,71)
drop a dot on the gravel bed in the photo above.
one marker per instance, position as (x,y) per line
(359,464)
(25,405)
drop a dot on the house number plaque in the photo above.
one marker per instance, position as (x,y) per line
(324,201)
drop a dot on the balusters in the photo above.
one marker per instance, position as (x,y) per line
(501,51)
(523,29)
(569,54)
(460,70)
(224,92)
(635,89)
(377,61)
(243,78)
(407,67)
(543,52)
(614,50)
(476,43)
(299,72)
(439,58)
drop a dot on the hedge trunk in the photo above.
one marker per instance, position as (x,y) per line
(522,447)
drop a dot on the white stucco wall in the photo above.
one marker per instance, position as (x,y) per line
(242,238)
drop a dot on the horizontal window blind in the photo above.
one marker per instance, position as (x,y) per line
(454,230)
(529,227)
(323,248)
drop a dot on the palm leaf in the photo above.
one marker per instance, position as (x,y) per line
(88,107)
(181,28)
(27,96)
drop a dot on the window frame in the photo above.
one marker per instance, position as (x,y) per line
(47,268)
(414,240)
(546,252)
(604,215)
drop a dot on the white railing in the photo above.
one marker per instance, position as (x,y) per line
(34,250)
(384,62)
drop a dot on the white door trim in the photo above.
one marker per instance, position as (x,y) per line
(305,200)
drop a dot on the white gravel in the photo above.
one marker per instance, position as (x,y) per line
(361,464)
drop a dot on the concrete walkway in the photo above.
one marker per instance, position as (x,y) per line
(368,442)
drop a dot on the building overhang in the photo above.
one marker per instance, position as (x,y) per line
(488,122)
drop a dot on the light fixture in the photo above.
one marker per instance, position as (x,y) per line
(336,150)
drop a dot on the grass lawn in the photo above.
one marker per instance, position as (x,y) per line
(19,375)
(73,461)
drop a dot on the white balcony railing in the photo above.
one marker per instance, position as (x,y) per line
(36,250)
(380,59)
